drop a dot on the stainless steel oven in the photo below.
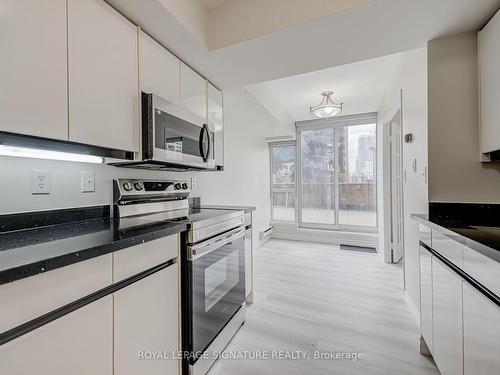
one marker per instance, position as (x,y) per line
(213,300)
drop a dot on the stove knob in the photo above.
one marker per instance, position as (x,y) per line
(184,186)
(138,186)
(177,186)
(127,186)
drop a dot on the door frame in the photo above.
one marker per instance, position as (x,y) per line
(396,106)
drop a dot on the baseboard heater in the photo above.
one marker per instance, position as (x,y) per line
(264,235)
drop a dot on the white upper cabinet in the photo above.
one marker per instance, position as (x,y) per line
(215,121)
(193,91)
(489,73)
(159,70)
(103,76)
(33,95)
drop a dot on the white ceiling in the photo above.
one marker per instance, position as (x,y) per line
(374,29)
(360,86)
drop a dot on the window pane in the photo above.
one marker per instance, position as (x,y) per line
(283,182)
(318,176)
(357,175)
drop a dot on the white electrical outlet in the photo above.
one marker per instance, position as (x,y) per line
(40,181)
(88,182)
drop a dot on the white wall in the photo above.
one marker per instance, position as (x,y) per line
(244,181)
(455,171)
(411,79)
(15,189)
(246,176)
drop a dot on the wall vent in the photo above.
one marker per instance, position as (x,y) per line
(266,234)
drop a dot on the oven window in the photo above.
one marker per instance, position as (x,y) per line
(220,278)
(216,292)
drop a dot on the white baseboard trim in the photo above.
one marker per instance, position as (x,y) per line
(292,232)
(411,306)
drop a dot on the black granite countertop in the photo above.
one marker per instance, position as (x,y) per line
(26,251)
(485,239)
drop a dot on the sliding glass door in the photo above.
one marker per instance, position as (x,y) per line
(282,181)
(317,183)
(358,176)
(337,173)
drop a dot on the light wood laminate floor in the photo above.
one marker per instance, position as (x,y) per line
(315,297)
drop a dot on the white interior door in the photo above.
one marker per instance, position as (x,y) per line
(396,188)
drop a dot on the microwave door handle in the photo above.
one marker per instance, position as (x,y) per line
(197,251)
(209,142)
(204,130)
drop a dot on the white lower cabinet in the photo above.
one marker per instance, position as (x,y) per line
(481,333)
(146,325)
(426,297)
(447,319)
(80,343)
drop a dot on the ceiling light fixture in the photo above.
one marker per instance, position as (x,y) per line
(327,108)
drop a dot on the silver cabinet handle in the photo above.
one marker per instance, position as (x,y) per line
(197,251)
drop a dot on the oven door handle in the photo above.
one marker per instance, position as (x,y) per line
(200,250)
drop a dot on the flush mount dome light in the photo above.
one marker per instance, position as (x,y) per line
(327,108)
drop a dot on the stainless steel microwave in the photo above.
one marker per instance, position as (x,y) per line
(174,138)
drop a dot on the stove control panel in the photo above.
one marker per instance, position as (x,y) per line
(128,190)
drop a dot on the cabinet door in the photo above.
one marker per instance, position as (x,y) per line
(193,92)
(159,70)
(481,334)
(489,76)
(215,122)
(147,321)
(447,319)
(103,76)
(33,95)
(79,343)
(426,296)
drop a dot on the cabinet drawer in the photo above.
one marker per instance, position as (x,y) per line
(481,333)
(447,319)
(34,296)
(146,317)
(451,250)
(80,343)
(426,323)
(483,269)
(135,259)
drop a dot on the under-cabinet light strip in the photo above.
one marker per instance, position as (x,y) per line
(24,152)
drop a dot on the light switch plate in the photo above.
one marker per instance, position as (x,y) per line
(194,183)
(40,181)
(88,182)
